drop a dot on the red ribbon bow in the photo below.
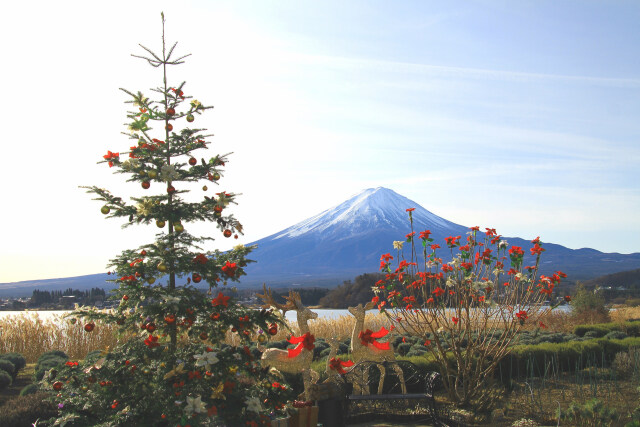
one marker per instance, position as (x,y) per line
(337,365)
(369,337)
(305,341)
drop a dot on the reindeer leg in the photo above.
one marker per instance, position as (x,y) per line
(400,374)
(383,373)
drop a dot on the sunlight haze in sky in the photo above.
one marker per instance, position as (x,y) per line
(521,116)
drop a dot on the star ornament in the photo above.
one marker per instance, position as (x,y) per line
(175,371)
(216,392)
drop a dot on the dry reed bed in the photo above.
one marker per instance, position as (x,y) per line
(31,336)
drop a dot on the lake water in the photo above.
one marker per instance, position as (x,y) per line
(323,313)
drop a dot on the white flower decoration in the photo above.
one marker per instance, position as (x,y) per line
(172,300)
(253,404)
(503,244)
(195,405)
(130,164)
(397,244)
(207,359)
(237,356)
(169,173)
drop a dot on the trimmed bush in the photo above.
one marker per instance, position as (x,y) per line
(29,389)
(25,410)
(9,368)
(5,380)
(45,364)
(16,358)
(616,335)
(57,353)
(631,328)
(525,360)
(403,348)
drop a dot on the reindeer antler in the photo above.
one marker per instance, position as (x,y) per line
(271,302)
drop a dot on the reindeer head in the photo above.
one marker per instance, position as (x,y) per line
(359,311)
(303,312)
(294,302)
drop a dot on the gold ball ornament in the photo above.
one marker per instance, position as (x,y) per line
(205,188)
(190,118)
(105,210)
(151,280)
(179,228)
(216,176)
(261,338)
(153,174)
(160,223)
(162,267)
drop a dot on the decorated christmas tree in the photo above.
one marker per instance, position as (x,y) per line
(173,366)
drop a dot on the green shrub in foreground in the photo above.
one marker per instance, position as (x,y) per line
(16,358)
(25,410)
(8,367)
(630,328)
(525,360)
(5,380)
(53,353)
(29,389)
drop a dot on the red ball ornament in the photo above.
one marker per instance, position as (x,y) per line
(151,327)
(196,278)
(169,127)
(146,185)
(125,298)
(143,253)
(171,189)
(203,336)
(57,386)
(170,111)
(227,233)
(193,161)
(89,327)
(273,329)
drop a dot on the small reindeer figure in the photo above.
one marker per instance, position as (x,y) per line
(365,347)
(299,359)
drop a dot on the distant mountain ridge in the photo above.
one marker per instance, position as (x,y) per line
(348,239)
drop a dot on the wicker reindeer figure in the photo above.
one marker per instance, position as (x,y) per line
(298,359)
(335,366)
(365,347)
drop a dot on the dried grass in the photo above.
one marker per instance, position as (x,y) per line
(30,336)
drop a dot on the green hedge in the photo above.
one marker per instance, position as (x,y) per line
(631,328)
(527,360)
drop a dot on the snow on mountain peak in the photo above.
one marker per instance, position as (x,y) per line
(367,210)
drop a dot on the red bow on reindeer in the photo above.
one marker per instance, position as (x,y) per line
(304,341)
(337,365)
(369,337)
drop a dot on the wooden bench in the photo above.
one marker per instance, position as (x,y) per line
(369,407)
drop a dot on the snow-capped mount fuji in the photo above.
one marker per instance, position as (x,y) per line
(345,240)
(372,209)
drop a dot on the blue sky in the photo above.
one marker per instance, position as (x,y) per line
(522,116)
